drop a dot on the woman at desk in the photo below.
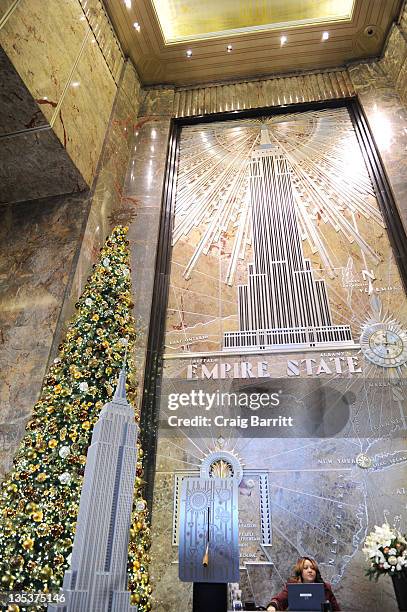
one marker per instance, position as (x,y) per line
(305,570)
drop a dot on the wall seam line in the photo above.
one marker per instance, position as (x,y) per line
(74,67)
(8,13)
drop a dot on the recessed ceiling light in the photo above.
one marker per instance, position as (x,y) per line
(189,53)
(283,40)
(136,26)
(75,83)
(127,3)
(325,35)
(229,48)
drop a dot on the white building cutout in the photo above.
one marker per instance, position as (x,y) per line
(97,578)
(282,304)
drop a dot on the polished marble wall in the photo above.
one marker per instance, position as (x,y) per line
(38,242)
(33,163)
(50,246)
(143,189)
(110,205)
(382,91)
(64,57)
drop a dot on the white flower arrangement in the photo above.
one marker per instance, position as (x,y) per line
(386,550)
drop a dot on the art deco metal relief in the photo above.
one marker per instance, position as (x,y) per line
(283,282)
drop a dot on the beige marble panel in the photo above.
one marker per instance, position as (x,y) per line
(159,101)
(387,118)
(84,114)
(110,205)
(105,35)
(6,8)
(403,19)
(130,85)
(43,46)
(395,54)
(401,84)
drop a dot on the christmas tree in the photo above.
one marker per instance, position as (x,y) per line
(40,496)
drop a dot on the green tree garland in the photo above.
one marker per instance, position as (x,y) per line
(40,496)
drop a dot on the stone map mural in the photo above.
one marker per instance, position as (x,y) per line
(283,285)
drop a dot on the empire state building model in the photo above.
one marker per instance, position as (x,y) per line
(97,578)
(282,305)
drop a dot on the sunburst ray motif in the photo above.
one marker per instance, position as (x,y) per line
(330,182)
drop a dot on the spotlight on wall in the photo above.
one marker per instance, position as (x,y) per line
(325,35)
(283,40)
(229,48)
(127,3)
(189,53)
(136,26)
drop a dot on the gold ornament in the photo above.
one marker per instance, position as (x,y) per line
(45,573)
(31,507)
(40,445)
(86,425)
(53,443)
(42,476)
(43,529)
(6,580)
(13,608)
(38,516)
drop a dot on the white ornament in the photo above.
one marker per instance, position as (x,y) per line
(83,386)
(64,478)
(140,506)
(88,302)
(125,271)
(106,262)
(64,451)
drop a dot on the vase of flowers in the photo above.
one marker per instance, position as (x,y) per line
(386,550)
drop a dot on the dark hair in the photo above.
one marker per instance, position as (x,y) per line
(299,566)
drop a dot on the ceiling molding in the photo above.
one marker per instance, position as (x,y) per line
(256,53)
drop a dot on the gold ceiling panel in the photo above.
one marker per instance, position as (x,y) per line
(189,20)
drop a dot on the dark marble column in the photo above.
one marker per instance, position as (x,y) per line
(144,187)
(38,242)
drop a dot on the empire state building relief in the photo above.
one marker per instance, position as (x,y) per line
(282,303)
(279,244)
